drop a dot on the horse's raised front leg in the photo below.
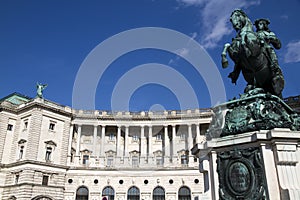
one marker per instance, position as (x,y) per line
(224,53)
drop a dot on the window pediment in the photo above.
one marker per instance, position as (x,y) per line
(183,152)
(86,151)
(110,153)
(51,143)
(22,141)
(157,153)
(134,153)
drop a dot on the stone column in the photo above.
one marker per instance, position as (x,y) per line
(214,179)
(78,140)
(167,146)
(190,144)
(173,140)
(198,137)
(272,173)
(190,137)
(143,147)
(70,140)
(126,141)
(150,153)
(118,145)
(102,140)
(95,140)
(143,144)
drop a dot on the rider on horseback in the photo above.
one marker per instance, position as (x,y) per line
(267,38)
(253,54)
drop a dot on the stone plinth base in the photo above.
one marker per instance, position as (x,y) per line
(254,165)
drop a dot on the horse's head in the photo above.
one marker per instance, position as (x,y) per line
(238,19)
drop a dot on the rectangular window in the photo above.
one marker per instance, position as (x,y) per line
(48,154)
(25,125)
(72,156)
(17,178)
(135,161)
(203,129)
(135,137)
(182,136)
(111,136)
(184,160)
(45,180)
(21,152)
(9,127)
(158,136)
(159,161)
(85,159)
(110,161)
(52,126)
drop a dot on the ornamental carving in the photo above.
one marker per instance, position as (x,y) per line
(252,112)
(241,175)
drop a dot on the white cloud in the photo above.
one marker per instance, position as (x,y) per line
(180,53)
(193,2)
(293,52)
(183,51)
(285,17)
(215,17)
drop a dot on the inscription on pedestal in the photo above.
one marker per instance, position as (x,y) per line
(241,175)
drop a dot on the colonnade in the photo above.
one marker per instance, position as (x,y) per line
(191,133)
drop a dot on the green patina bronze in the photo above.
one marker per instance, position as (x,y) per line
(261,106)
(253,54)
(39,89)
(241,169)
(253,111)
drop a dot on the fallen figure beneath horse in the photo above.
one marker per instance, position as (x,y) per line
(253,54)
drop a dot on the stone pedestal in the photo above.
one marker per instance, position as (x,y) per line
(246,156)
(252,165)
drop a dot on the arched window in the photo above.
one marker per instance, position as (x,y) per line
(21,152)
(41,197)
(12,198)
(133,193)
(184,193)
(82,193)
(109,191)
(158,193)
(48,154)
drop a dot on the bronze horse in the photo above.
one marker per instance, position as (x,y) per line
(251,57)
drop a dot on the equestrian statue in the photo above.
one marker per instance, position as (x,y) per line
(253,55)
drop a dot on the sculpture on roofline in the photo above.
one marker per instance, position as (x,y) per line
(39,89)
(253,55)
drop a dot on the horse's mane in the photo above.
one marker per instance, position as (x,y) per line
(248,25)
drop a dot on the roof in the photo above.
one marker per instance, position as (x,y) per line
(16,98)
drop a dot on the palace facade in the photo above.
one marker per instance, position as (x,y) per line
(49,151)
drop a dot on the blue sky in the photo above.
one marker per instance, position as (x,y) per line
(47,42)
